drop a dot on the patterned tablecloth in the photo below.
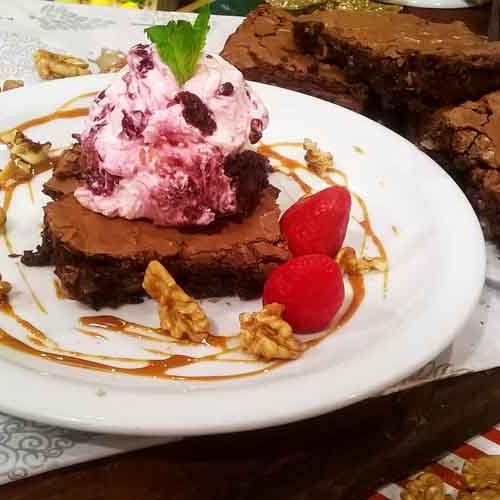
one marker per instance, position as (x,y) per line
(27,448)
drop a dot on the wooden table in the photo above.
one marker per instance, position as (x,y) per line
(342,455)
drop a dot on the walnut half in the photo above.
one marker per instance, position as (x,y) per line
(180,315)
(51,65)
(267,335)
(426,486)
(12,84)
(483,473)
(25,155)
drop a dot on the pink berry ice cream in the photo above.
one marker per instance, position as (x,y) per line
(175,155)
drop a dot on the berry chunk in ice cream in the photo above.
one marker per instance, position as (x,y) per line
(155,149)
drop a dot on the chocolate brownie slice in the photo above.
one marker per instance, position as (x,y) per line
(466,136)
(408,61)
(263,49)
(465,140)
(101,261)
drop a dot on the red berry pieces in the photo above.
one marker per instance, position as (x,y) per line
(311,289)
(318,223)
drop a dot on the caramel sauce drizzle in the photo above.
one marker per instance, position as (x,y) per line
(35,298)
(30,191)
(116,324)
(92,334)
(60,114)
(72,101)
(158,368)
(9,181)
(61,293)
(152,368)
(292,166)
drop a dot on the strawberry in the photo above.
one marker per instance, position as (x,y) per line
(318,223)
(311,289)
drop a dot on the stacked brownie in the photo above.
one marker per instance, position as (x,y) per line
(101,261)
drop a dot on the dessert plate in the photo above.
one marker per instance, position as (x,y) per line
(436,257)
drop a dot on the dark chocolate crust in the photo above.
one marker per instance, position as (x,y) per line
(263,49)
(407,61)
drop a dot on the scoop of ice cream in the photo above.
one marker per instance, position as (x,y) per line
(152,149)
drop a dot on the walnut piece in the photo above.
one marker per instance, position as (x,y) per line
(25,155)
(425,487)
(111,61)
(51,65)
(180,315)
(350,264)
(479,495)
(267,335)
(317,160)
(483,473)
(12,84)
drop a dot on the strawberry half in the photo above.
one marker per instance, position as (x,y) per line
(318,223)
(311,289)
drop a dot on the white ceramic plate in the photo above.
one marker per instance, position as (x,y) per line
(437,264)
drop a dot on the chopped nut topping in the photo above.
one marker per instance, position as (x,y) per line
(180,314)
(425,487)
(111,61)
(25,154)
(51,65)
(317,160)
(479,495)
(483,473)
(350,264)
(267,335)
(12,84)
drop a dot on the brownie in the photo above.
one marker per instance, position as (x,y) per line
(465,140)
(263,49)
(101,261)
(409,62)
(482,187)
(467,135)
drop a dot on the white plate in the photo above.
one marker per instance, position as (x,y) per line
(437,264)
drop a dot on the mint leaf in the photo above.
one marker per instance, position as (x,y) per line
(180,43)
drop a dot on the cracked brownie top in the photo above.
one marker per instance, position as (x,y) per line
(263,49)
(470,132)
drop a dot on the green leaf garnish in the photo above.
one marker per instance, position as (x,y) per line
(180,43)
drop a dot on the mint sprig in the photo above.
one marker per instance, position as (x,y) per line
(180,43)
